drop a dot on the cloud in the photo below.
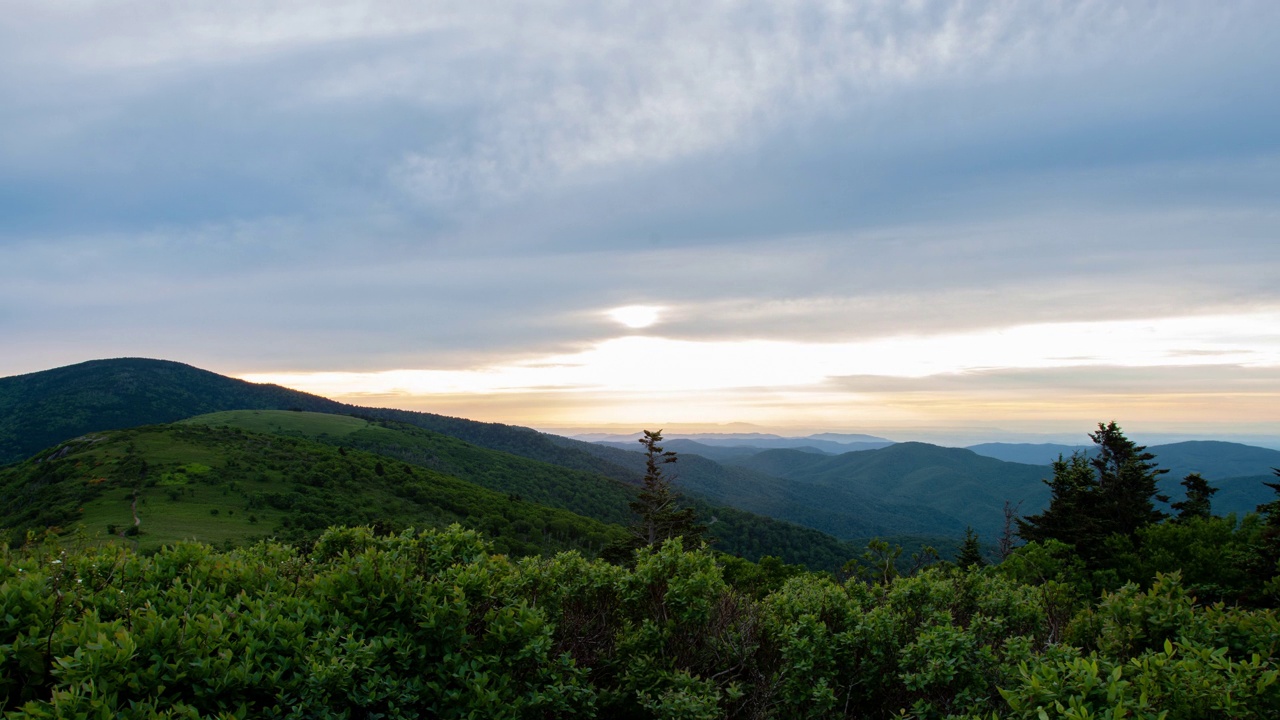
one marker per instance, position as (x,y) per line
(656,364)
(458,186)
(461,107)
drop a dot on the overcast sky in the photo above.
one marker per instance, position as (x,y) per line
(832,215)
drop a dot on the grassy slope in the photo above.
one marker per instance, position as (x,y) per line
(220,485)
(734,531)
(580,492)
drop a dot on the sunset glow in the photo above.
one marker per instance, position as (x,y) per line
(736,374)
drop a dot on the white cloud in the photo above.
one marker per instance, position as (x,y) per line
(655,364)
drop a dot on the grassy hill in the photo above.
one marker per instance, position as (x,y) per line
(49,407)
(45,408)
(592,495)
(42,409)
(228,486)
(908,489)
(581,492)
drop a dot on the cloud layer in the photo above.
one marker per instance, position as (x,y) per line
(448,187)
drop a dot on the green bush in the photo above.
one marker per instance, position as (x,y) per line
(434,624)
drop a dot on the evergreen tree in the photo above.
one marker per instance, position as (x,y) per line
(660,516)
(1197,504)
(1111,493)
(1126,482)
(970,551)
(1069,517)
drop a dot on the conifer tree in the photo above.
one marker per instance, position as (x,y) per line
(1197,504)
(970,551)
(1112,493)
(1126,482)
(660,516)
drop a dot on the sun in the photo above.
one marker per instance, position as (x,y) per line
(635,316)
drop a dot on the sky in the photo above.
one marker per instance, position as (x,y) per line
(1015,219)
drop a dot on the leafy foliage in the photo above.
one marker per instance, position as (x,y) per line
(434,624)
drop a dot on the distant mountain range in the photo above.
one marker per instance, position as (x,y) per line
(918,488)
(832,443)
(1213,459)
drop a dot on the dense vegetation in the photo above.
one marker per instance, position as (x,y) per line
(435,625)
(159,484)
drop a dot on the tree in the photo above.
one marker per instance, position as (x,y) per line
(1069,517)
(970,551)
(1094,498)
(1197,504)
(660,516)
(1126,482)
(1004,547)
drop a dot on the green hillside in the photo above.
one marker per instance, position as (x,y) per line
(581,492)
(45,408)
(736,532)
(228,486)
(1238,471)
(42,409)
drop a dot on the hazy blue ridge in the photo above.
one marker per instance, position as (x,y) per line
(846,512)
(1028,453)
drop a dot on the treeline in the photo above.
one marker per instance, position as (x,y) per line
(435,625)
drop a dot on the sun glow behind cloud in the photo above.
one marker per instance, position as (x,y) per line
(635,316)
(650,364)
